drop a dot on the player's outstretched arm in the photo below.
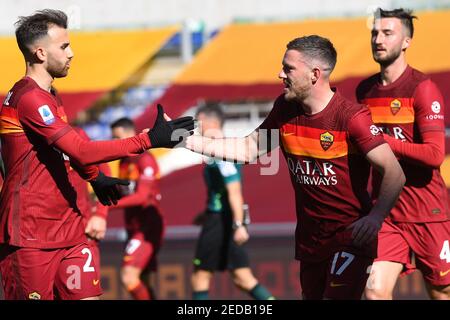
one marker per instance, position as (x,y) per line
(163,134)
(383,160)
(246,149)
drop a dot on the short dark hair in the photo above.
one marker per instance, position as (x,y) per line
(315,47)
(124,122)
(212,110)
(31,28)
(405,15)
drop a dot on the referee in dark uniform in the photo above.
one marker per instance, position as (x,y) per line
(221,245)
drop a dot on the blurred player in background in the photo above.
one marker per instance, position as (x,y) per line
(44,251)
(409,109)
(143,220)
(329,144)
(221,245)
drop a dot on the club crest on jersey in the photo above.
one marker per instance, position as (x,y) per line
(326,140)
(34,296)
(46,114)
(395,106)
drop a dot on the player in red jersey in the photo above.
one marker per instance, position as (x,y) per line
(43,250)
(329,144)
(143,218)
(409,108)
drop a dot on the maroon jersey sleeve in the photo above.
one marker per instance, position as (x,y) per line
(146,185)
(429,153)
(429,107)
(92,152)
(363,133)
(86,172)
(82,133)
(39,113)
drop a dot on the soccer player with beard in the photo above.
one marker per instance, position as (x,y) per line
(43,251)
(329,143)
(409,108)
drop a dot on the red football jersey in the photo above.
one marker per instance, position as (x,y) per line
(405,109)
(329,173)
(38,206)
(143,193)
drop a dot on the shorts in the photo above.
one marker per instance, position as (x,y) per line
(145,229)
(428,241)
(216,249)
(71,273)
(141,252)
(341,277)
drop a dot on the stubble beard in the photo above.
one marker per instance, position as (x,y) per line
(300,94)
(57,70)
(388,59)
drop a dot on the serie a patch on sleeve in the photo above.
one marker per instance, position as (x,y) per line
(46,114)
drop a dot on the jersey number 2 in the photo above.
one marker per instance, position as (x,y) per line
(87,266)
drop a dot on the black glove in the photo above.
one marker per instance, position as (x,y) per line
(161,133)
(107,188)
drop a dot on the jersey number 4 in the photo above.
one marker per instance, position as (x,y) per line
(445,252)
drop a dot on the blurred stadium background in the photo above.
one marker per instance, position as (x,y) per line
(130,55)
